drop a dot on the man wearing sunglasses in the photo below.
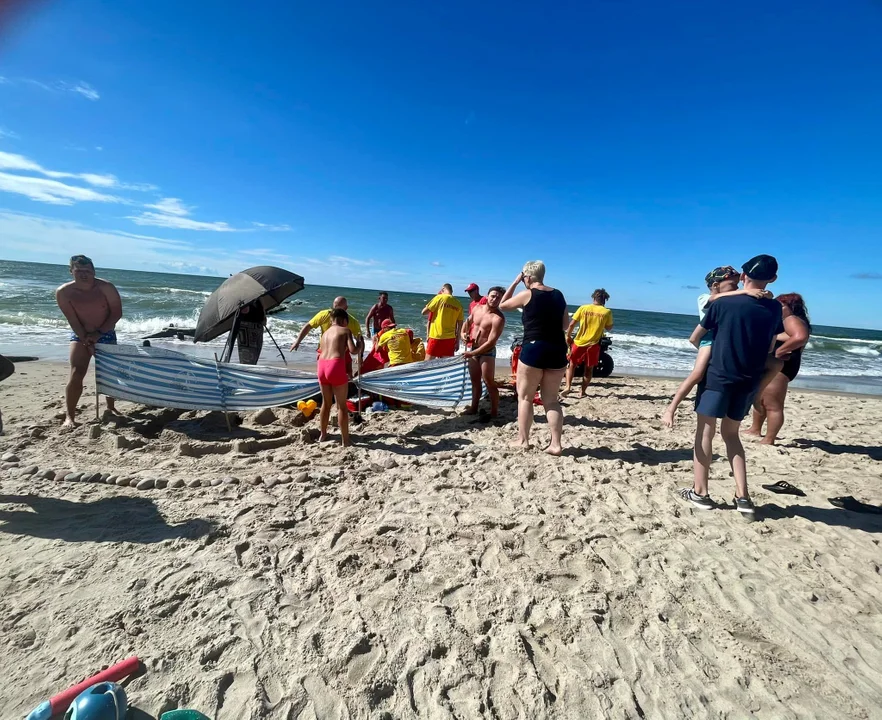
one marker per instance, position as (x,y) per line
(93,307)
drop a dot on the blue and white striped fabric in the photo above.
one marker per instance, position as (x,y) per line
(442,383)
(164,378)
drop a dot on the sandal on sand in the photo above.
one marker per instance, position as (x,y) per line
(849,503)
(782,487)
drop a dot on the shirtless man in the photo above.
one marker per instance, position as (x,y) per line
(93,308)
(379,313)
(485,326)
(335,347)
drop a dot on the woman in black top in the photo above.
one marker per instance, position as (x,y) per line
(770,408)
(543,359)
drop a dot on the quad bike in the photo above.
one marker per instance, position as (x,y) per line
(603,369)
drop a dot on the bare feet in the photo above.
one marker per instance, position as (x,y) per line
(555,450)
(767,441)
(520,445)
(583,393)
(69,422)
(347,443)
(324,437)
(565,392)
(471,411)
(668,418)
(755,433)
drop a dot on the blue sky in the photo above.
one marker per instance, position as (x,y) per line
(630,144)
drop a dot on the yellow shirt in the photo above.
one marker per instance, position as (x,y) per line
(398,342)
(323,320)
(446,312)
(593,320)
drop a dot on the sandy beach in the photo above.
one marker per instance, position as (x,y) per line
(432,572)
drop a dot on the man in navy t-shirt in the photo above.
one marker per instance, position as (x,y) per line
(744,330)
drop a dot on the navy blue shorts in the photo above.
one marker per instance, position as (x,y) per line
(108,338)
(544,355)
(732,402)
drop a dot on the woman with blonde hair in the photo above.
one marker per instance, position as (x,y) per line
(543,359)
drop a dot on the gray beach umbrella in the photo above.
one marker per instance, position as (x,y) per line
(270,285)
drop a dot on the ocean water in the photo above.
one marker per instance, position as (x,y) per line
(643,342)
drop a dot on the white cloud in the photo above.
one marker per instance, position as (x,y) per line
(354,269)
(82,88)
(170,206)
(353,261)
(167,212)
(178,223)
(268,255)
(172,213)
(42,239)
(79,87)
(12,161)
(51,191)
(4,133)
(272,228)
(435,263)
(36,238)
(188,268)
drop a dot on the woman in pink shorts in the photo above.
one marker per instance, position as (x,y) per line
(334,348)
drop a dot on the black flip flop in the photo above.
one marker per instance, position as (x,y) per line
(782,487)
(847,502)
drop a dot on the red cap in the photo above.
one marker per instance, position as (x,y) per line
(472,287)
(387,323)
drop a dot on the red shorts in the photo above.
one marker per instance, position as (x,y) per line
(318,355)
(589,355)
(441,348)
(332,371)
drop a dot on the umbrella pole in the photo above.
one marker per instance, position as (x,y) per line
(97,401)
(226,414)
(266,327)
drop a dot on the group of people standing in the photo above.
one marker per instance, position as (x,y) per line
(749,350)
(551,345)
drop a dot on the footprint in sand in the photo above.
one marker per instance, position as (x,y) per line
(362,659)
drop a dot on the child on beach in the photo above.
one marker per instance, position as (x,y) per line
(335,346)
(721,282)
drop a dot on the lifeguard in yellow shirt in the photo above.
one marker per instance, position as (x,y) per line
(322,321)
(593,320)
(397,342)
(445,323)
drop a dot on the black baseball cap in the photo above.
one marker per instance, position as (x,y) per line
(763,268)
